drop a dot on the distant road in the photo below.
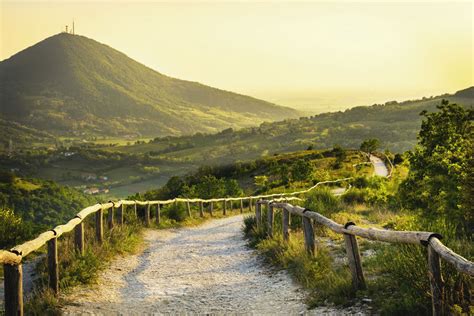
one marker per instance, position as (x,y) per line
(379,166)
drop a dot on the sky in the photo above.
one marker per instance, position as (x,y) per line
(316,56)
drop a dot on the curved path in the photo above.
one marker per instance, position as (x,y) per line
(380,169)
(199,270)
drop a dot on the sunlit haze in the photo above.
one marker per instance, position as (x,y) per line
(314,56)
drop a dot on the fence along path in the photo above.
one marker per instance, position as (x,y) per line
(436,249)
(12,259)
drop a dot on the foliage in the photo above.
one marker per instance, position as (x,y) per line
(340,155)
(176,212)
(370,145)
(39,205)
(441,167)
(402,270)
(323,201)
(315,273)
(12,229)
(75,269)
(354,196)
(301,170)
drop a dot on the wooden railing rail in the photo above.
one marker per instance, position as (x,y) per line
(436,249)
(12,259)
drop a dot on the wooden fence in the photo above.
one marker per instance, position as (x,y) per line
(12,259)
(436,249)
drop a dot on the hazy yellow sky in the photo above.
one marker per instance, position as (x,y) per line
(307,54)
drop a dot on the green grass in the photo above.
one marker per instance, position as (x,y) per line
(319,274)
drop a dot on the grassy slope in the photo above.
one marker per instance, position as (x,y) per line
(396,274)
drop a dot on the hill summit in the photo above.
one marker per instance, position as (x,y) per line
(70,84)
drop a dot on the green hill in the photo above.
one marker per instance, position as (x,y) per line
(72,85)
(396,124)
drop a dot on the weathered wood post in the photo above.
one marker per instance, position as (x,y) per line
(258,217)
(436,282)
(110,217)
(308,231)
(188,207)
(241,206)
(201,209)
(355,263)
(120,212)
(286,224)
(99,225)
(79,238)
(210,207)
(270,220)
(158,214)
(13,282)
(53,268)
(135,211)
(250,205)
(147,215)
(224,207)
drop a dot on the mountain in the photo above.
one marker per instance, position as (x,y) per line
(72,85)
(465,93)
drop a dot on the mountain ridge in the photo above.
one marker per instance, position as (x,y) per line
(70,83)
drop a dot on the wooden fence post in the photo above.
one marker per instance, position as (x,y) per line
(188,207)
(135,211)
(355,263)
(308,230)
(158,214)
(110,217)
(258,216)
(147,215)
(286,224)
(224,205)
(210,207)
(79,238)
(250,205)
(99,225)
(270,220)
(13,282)
(201,209)
(241,206)
(120,212)
(436,282)
(53,268)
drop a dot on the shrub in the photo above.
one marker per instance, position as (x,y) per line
(354,196)
(323,201)
(12,229)
(360,182)
(176,212)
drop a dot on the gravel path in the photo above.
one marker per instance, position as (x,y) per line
(379,166)
(205,269)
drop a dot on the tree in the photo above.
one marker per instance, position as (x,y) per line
(12,229)
(370,145)
(210,187)
(232,188)
(261,182)
(301,170)
(441,167)
(340,155)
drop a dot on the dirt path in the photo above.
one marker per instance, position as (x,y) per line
(379,166)
(206,269)
(200,270)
